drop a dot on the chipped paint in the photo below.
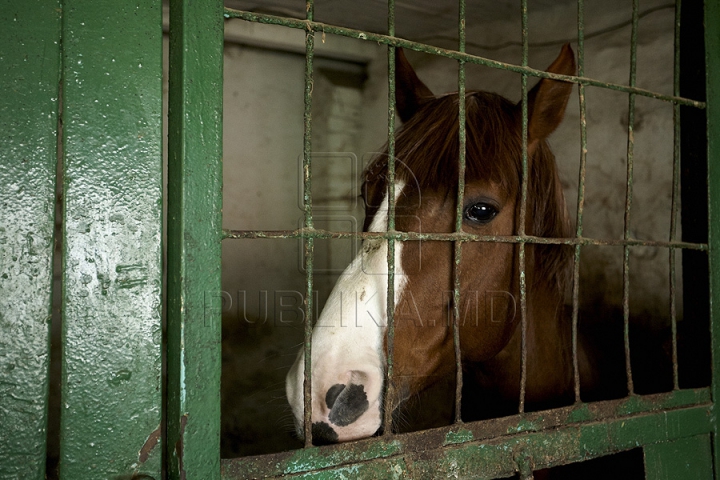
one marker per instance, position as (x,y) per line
(149,445)
(459,436)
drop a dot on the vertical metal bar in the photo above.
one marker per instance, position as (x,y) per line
(112,252)
(675,194)
(194,237)
(29,79)
(712,56)
(523,209)
(307,206)
(459,215)
(580,198)
(628,198)
(689,457)
(389,388)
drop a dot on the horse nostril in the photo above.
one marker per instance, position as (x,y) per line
(323,434)
(333,393)
(347,403)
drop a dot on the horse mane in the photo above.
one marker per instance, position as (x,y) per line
(428,146)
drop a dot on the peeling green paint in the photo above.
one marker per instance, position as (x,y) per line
(459,436)
(580,414)
(314,458)
(525,425)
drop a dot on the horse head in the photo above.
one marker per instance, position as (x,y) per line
(349,342)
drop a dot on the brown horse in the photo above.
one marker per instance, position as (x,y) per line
(348,342)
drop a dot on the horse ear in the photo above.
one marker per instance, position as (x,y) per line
(548,99)
(411,92)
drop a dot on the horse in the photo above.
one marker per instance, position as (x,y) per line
(349,342)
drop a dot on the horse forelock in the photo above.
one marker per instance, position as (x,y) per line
(427,151)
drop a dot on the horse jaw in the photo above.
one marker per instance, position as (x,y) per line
(348,359)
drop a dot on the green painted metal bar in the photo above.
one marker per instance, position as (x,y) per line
(462,152)
(628,198)
(523,208)
(308,212)
(712,66)
(390,303)
(689,457)
(112,253)
(580,197)
(675,194)
(194,237)
(595,429)
(443,52)
(29,78)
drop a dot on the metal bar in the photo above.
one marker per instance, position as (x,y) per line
(309,242)
(468,58)
(523,210)
(598,428)
(194,237)
(580,198)
(459,215)
(29,77)
(389,387)
(689,457)
(112,230)
(464,237)
(675,194)
(712,79)
(628,199)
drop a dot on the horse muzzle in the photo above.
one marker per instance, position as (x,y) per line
(348,409)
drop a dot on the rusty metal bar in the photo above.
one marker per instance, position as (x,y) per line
(580,198)
(389,387)
(628,199)
(443,52)
(309,242)
(675,195)
(523,210)
(433,443)
(465,237)
(459,214)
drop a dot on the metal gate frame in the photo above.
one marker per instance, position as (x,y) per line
(107,128)
(672,427)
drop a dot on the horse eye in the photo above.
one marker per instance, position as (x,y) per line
(481,212)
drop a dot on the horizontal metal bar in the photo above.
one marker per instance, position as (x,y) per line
(443,52)
(455,236)
(599,428)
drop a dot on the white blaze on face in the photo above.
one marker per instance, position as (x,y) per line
(347,344)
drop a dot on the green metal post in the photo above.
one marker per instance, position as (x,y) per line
(112,255)
(689,457)
(194,236)
(712,66)
(29,80)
